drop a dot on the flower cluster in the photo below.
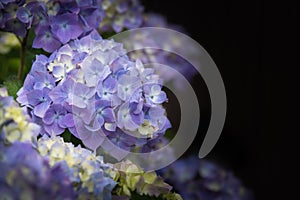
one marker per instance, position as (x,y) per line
(91,88)
(55,22)
(86,171)
(120,15)
(15,125)
(132,178)
(200,179)
(25,174)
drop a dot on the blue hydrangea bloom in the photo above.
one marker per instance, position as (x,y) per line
(90,87)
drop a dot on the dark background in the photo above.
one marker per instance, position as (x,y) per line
(253,44)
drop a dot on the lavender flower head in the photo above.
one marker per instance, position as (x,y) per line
(90,87)
(25,174)
(15,125)
(199,179)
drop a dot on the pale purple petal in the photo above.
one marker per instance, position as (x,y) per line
(91,139)
(54,129)
(49,117)
(46,41)
(108,115)
(40,109)
(67,121)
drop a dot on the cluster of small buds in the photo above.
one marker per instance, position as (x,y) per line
(14,123)
(87,171)
(120,15)
(90,87)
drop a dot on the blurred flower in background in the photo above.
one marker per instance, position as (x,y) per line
(15,124)
(200,179)
(120,15)
(27,175)
(141,43)
(87,171)
(7,42)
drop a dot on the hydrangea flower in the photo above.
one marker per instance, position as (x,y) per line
(120,15)
(25,174)
(200,179)
(87,171)
(15,125)
(90,87)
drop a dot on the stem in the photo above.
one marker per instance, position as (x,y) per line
(22,56)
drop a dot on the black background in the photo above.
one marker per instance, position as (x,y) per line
(253,44)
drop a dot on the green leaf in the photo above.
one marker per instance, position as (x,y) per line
(9,64)
(12,85)
(69,137)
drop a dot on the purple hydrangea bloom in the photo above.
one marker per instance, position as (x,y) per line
(97,93)
(25,172)
(200,179)
(54,22)
(68,20)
